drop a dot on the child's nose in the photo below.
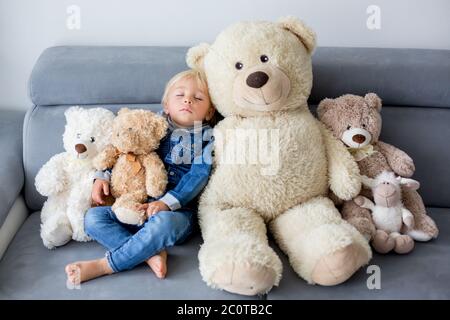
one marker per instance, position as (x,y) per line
(188,101)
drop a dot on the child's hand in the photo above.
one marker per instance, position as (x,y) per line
(155,207)
(100,189)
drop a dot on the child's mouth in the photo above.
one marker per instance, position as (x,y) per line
(186,110)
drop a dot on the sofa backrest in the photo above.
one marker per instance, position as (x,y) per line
(414,85)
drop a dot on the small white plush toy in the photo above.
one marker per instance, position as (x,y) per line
(388,213)
(66,179)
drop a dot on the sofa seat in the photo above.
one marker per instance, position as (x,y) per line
(28,270)
(422,274)
(11,168)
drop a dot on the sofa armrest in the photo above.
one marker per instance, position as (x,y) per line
(11,166)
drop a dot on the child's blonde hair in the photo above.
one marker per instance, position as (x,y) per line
(189,74)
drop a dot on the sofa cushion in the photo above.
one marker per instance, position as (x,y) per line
(422,274)
(11,167)
(109,74)
(28,270)
(43,130)
(102,74)
(406,77)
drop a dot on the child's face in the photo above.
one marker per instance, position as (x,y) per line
(188,102)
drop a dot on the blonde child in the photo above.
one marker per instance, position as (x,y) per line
(186,153)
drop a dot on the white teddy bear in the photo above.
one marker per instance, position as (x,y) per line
(66,179)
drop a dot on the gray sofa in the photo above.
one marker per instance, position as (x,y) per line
(414,85)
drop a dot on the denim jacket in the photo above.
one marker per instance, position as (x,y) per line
(187,157)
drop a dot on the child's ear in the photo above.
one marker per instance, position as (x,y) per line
(196,55)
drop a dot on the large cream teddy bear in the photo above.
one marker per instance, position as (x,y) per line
(66,179)
(260,77)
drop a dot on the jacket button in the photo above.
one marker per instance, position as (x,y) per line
(171,173)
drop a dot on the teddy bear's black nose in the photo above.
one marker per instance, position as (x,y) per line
(257,79)
(359,138)
(80,148)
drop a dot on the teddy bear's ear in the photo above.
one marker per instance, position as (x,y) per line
(373,100)
(161,126)
(123,111)
(303,32)
(196,55)
(72,113)
(324,106)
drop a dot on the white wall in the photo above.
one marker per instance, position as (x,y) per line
(29,26)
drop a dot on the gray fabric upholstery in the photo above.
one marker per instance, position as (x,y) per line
(99,75)
(424,134)
(422,274)
(43,131)
(31,271)
(409,77)
(11,168)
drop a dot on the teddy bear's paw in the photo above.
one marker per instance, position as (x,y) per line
(337,267)
(382,243)
(244,278)
(55,237)
(407,168)
(80,235)
(403,244)
(129,216)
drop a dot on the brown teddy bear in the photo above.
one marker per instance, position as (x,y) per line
(137,171)
(356,121)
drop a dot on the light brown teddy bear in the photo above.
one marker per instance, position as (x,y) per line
(356,121)
(137,171)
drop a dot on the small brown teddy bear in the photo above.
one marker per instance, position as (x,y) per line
(137,171)
(356,121)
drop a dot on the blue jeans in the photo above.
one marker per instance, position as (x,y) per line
(130,245)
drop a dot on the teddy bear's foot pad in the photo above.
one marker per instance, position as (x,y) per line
(244,279)
(339,266)
(403,244)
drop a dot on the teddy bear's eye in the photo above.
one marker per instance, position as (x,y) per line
(129,129)
(349,127)
(264,58)
(92,139)
(239,65)
(78,135)
(364,125)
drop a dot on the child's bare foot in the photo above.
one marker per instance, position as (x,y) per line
(82,271)
(158,263)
